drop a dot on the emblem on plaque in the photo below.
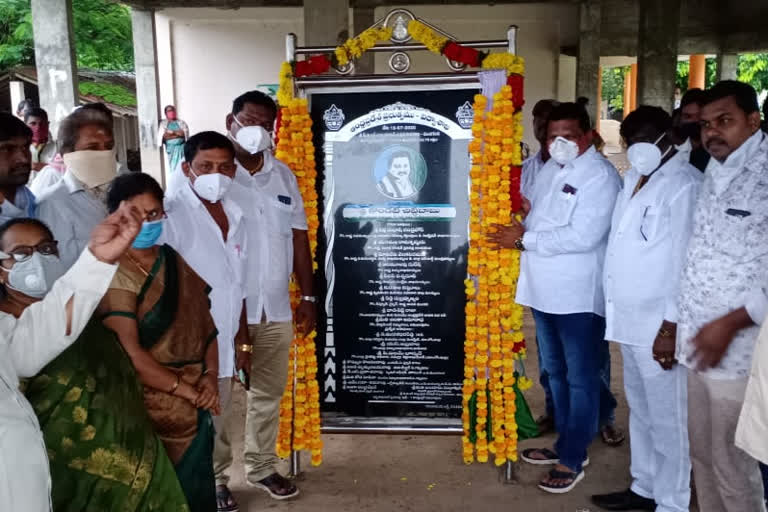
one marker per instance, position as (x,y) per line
(398,21)
(465,115)
(400,62)
(334,118)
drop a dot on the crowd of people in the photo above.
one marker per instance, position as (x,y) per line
(669,262)
(130,313)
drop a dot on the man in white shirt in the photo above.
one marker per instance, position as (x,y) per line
(207,227)
(277,233)
(723,296)
(42,146)
(651,225)
(563,242)
(30,342)
(75,204)
(16,200)
(533,164)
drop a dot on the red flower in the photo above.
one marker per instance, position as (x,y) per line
(463,54)
(313,66)
(516,83)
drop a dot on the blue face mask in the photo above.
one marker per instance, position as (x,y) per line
(150,232)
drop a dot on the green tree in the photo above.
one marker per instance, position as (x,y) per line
(613,87)
(102,30)
(753,69)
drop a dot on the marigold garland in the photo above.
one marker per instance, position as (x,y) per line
(300,405)
(355,47)
(494,322)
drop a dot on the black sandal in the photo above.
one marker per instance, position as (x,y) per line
(570,478)
(277,486)
(612,436)
(225,501)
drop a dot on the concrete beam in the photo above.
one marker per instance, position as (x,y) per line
(147,95)
(588,71)
(362,18)
(657,52)
(55,58)
(727,66)
(326,22)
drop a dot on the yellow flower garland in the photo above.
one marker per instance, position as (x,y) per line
(355,47)
(426,36)
(300,405)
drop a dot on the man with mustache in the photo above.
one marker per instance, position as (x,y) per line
(16,200)
(723,296)
(397,183)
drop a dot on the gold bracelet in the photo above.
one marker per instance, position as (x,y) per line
(245,348)
(176,385)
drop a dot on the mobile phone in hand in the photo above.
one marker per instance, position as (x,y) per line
(244,378)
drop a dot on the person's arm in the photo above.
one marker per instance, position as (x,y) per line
(306,313)
(208,385)
(589,223)
(682,207)
(48,327)
(151,373)
(243,357)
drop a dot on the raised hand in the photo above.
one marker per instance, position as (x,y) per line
(115,234)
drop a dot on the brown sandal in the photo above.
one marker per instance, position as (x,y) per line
(277,486)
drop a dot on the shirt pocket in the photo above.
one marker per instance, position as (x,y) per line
(561,207)
(280,216)
(744,238)
(654,224)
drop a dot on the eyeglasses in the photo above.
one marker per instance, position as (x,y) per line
(24,252)
(154,215)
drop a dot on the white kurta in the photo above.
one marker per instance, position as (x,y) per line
(646,251)
(26,346)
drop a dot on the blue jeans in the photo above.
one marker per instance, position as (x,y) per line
(607,400)
(572,355)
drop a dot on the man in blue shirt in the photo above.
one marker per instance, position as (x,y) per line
(16,200)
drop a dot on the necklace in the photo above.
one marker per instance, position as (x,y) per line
(141,267)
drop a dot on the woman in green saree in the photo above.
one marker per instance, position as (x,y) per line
(173,134)
(102,449)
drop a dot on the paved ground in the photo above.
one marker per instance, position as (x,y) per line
(407,473)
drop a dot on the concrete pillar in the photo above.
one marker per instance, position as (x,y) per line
(599,111)
(147,96)
(362,18)
(17,94)
(326,22)
(657,52)
(589,51)
(55,59)
(633,87)
(727,66)
(697,74)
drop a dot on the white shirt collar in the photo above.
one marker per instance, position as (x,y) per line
(723,173)
(266,168)
(73,184)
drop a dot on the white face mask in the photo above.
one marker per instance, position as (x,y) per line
(253,139)
(646,157)
(563,150)
(35,276)
(211,187)
(92,168)
(685,147)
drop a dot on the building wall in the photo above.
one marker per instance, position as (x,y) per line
(208,56)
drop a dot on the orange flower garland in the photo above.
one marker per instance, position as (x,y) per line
(300,405)
(494,321)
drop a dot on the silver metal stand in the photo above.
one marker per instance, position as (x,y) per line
(295,470)
(509,471)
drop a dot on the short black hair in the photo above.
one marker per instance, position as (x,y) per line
(399,154)
(24,221)
(655,118)
(256,98)
(12,127)
(69,131)
(542,108)
(167,108)
(572,111)
(35,112)
(743,94)
(692,96)
(206,140)
(128,186)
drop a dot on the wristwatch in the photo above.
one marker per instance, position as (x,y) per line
(519,244)
(309,298)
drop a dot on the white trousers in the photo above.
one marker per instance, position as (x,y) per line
(658,429)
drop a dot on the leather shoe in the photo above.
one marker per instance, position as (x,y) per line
(624,500)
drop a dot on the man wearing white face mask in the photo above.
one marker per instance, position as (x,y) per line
(74,205)
(206,226)
(277,227)
(651,225)
(563,243)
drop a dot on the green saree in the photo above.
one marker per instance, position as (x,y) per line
(103,451)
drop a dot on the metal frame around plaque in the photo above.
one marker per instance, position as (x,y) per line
(345,81)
